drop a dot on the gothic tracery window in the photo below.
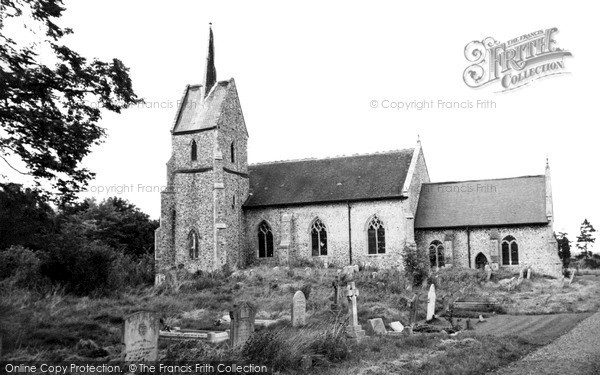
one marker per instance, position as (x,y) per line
(510,251)
(376,236)
(265,240)
(193,245)
(318,233)
(436,254)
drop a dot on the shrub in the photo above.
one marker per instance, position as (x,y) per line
(416,264)
(21,267)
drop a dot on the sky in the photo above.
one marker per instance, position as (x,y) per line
(320,79)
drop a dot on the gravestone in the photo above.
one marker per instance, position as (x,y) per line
(488,272)
(337,296)
(430,303)
(298,309)
(396,326)
(140,336)
(520,279)
(529,273)
(242,323)
(376,327)
(572,275)
(414,309)
(353,330)
(521,273)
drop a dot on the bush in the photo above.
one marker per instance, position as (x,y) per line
(21,267)
(416,264)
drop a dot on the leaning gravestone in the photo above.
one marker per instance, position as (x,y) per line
(396,326)
(572,275)
(242,323)
(376,327)
(529,273)
(140,335)
(430,303)
(298,309)
(488,272)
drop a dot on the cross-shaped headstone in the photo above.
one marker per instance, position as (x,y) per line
(352,293)
(353,330)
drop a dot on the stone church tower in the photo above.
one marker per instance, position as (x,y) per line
(201,224)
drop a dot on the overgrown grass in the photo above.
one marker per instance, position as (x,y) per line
(50,325)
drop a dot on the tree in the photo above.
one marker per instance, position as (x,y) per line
(564,248)
(49,114)
(586,238)
(25,218)
(114,222)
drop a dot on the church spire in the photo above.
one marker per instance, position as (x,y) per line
(210,75)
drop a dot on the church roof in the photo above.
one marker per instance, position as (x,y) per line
(508,201)
(346,178)
(196,114)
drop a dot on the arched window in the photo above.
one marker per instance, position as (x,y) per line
(510,251)
(318,234)
(376,235)
(193,245)
(194,151)
(232,152)
(265,241)
(436,254)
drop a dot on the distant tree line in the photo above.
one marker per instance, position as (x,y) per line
(84,248)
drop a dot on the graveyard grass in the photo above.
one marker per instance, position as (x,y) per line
(58,327)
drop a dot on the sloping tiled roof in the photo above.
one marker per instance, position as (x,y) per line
(519,200)
(197,114)
(350,178)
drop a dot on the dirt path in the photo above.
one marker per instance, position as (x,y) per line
(577,352)
(537,329)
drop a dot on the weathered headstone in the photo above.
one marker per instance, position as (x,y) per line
(298,309)
(140,336)
(488,272)
(572,275)
(376,327)
(336,300)
(521,273)
(353,330)
(520,279)
(529,273)
(242,323)
(469,324)
(414,309)
(396,326)
(431,303)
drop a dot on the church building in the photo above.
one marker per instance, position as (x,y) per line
(363,209)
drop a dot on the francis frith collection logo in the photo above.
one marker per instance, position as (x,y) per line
(514,63)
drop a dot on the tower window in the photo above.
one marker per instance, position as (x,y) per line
(376,236)
(232,152)
(194,151)
(265,240)
(193,245)
(510,251)
(318,234)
